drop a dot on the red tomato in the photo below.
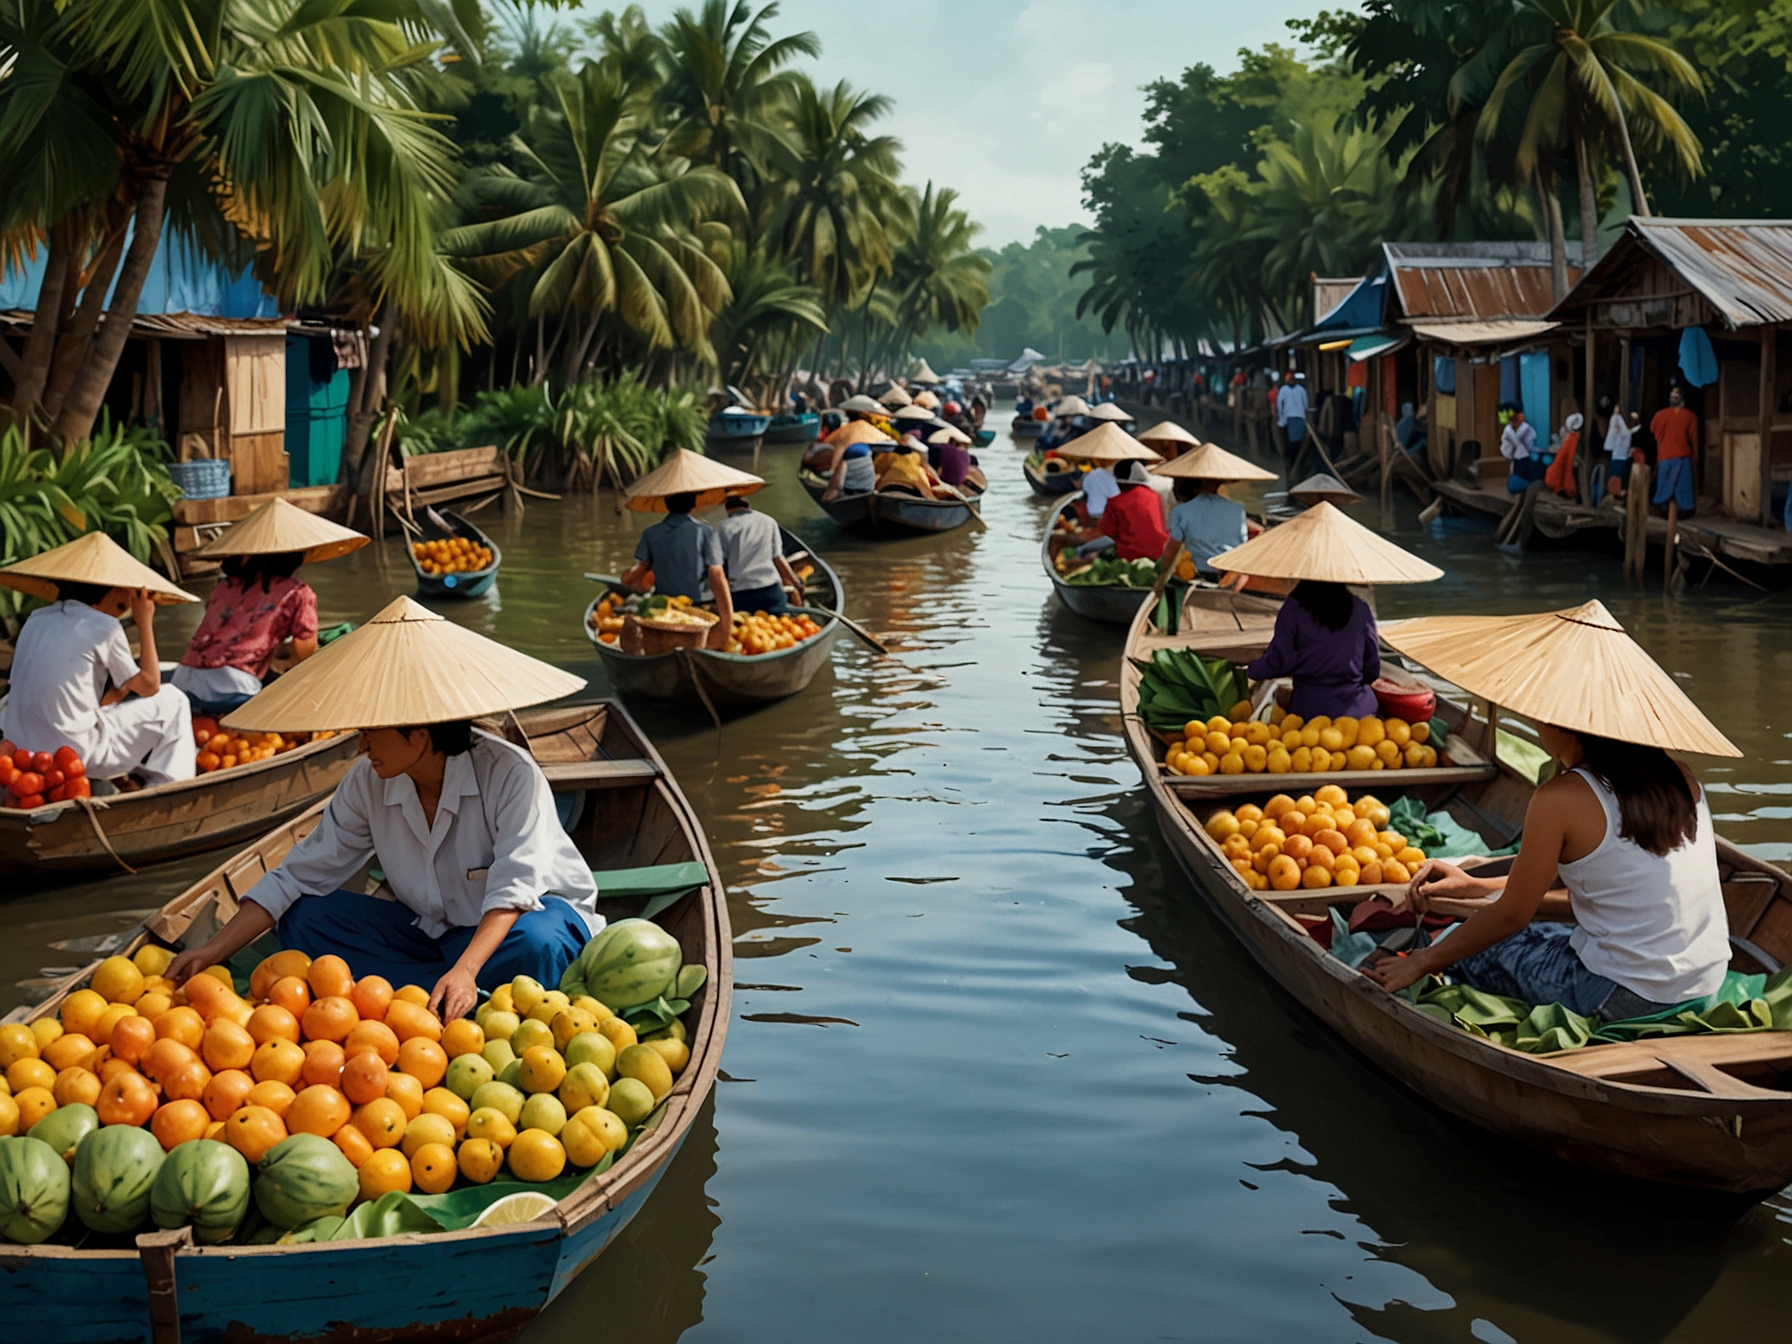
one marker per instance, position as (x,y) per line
(31,801)
(78,788)
(42,762)
(21,760)
(7,770)
(26,783)
(7,747)
(64,754)
(57,794)
(75,769)
(54,779)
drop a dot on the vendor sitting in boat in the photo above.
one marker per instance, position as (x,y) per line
(904,469)
(1132,524)
(485,883)
(1626,830)
(1204,522)
(258,611)
(73,680)
(753,550)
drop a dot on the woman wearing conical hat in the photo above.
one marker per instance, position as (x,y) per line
(1626,828)
(258,608)
(74,681)
(487,885)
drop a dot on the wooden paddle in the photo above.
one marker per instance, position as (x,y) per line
(957,494)
(870,640)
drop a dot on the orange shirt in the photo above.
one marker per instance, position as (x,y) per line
(1676,431)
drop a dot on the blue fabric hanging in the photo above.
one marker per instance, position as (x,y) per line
(1698,361)
(1533,378)
(1443,376)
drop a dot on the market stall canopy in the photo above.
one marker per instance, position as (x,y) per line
(1109,411)
(1108,443)
(860,404)
(1072,405)
(1575,669)
(280,528)
(948,434)
(686,472)
(406,666)
(1323,489)
(857,431)
(896,396)
(1327,545)
(1168,432)
(91,558)
(1210,462)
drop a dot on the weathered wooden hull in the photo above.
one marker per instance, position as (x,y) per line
(479,1285)
(1109,605)
(1050,483)
(889,514)
(475,584)
(805,428)
(1666,1131)
(1027,428)
(172,821)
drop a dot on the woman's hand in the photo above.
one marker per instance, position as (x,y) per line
(455,993)
(1395,973)
(188,964)
(1438,880)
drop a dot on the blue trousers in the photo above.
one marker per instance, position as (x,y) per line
(1537,964)
(771,599)
(377,937)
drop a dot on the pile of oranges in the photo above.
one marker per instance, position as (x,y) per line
(1318,840)
(451,555)
(220,748)
(1237,744)
(760,632)
(604,618)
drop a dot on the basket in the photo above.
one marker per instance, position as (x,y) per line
(649,637)
(204,478)
(1403,700)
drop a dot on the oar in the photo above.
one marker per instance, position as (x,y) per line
(957,494)
(870,640)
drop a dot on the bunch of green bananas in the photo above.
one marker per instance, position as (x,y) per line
(1177,685)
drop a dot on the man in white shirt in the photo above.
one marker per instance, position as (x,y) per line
(1099,486)
(753,557)
(1518,445)
(1291,411)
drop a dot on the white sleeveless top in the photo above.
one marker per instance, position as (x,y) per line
(1655,924)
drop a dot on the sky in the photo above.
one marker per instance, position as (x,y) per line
(1005,100)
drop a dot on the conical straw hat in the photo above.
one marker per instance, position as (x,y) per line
(860,404)
(1107,442)
(1072,405)
(1326,544)
(1210,462)
(913,412)
(1576,669)
(921,373)
(686,472)
(90,558)
(405,666)
(1109,411)
(948,434)
(928,400)
(857,431)
(895,397)
(1167,432)
(279,528)
(1323,488)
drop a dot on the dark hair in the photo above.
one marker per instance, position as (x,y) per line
(1656,807)
(67,590)
(683,502)
(738,502)
(249,570)
(451,739)
(1328,603)
(1187,489)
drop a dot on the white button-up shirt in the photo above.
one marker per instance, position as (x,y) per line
(66,654)
(496,844)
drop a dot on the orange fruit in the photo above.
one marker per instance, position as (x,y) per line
(479,1160)
(373,1036)
(353,1143)
(69,1051)
(382,1121)
(113,1067)
(323,1064)
(329,1018)
(253,1131)
(372,995)
(109,1020)
(440,1101)
(179,1121)
(330,977)
(272,1022)
(433,1168)
(227,1093)
(408,1020)
(26,1073)
(276,967)
(164,1057)
(131,1037)
(412,994)
(423,1060)
(127,1099)
(276,1097)
(81,1011)
(206,995)
(227,1046)
(76,1085)
(181,1024)
(387,1170)
(463,1036)
(407,1092)
(317,1110)
(291,993)
(34,1104)
(188,1082)
(278,1060)
(153,1004)
(364,1079)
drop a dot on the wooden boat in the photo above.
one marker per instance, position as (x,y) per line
(982,438)
(436,524)
(171,821)
(482,1284)
(1049,483)
(1025,427)
(715,678)
(736,429)
(1111,604)
(794,428)
(887,513)
(1708,1112)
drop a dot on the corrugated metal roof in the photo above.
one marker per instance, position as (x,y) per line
(1482,281)
(1742,267)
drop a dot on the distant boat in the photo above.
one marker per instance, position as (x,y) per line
(1050,482)
(794,428)
(445,524)
(736,427)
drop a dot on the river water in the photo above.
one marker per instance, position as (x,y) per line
(995,1072)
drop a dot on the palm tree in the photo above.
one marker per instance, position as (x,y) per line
(939,280)
(602,227)
(767,322)
(285,128)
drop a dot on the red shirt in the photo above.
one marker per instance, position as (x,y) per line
(243,626)
(1676,431)
(1135,521)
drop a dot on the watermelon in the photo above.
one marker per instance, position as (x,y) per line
(633,961)
(34,1186)
(205,1183)
(115,1167)
(304,1178)
(65,1127)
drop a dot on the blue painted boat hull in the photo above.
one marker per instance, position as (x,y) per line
(805,428)
(475,584)
(984,437)
(738,432)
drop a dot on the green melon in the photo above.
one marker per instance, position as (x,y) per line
(203,1183)
(65,1127)
(304,1178)
(115,1168)
(633,961)
(34,1186)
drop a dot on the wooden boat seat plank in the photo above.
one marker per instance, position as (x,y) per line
(566,776)
(1714,1080)
(1648,1056)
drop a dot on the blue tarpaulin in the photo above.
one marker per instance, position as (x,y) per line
(1359,310)
(1698,361)
(1533,380)
(180,280)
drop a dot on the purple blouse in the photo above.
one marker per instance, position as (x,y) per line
(1332,669)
